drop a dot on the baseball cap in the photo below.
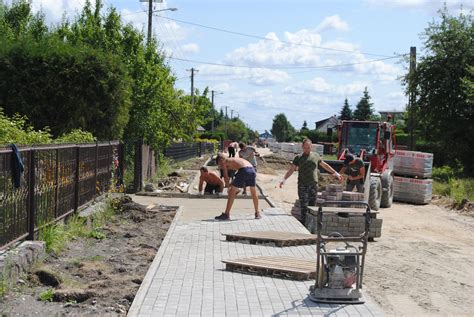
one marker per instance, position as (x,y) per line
(348,159)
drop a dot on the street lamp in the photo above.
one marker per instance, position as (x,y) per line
(167,9)
(150,14)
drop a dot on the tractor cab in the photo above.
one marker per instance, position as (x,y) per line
(372,141)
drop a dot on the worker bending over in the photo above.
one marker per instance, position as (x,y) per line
(213,183)
(355,169)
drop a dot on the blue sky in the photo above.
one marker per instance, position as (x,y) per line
(297,57)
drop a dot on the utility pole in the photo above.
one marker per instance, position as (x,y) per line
(212,109)
(225,121)
(192,70)
(231,114)
(412,95)
(150,16)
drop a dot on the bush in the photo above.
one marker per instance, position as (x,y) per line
(64,87)
(444,173)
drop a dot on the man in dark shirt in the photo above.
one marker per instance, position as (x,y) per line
(355,169)
(307,164)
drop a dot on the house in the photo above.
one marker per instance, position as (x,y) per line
(328,125)
(265,138)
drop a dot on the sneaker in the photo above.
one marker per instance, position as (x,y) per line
(258,216)
(223,216)
(244,194)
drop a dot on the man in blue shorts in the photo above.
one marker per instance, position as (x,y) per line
(245,176)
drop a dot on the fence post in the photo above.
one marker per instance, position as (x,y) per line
(137,175)
(121,158)
(31,196)
(56,193)
(76,183)
(95,170)
(200,149)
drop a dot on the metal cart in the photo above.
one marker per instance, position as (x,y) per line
(339,270)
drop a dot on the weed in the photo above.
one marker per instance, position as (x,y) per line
(457,189)
(54,237)
(47,295)
(96,234)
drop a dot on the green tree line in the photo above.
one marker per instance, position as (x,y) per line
(97,74)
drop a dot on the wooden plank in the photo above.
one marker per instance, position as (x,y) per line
(280,238)
(288,267)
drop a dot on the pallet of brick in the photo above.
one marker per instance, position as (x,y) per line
(412,163)
(412,190)
(352,196)
(317,148)
(348,224)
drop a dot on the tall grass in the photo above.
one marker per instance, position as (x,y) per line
(57,236)
(455,188)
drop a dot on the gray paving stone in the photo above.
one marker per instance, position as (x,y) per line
(188,278)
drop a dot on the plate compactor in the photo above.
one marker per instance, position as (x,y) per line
(340,260)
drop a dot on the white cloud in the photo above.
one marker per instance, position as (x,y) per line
(190,48)
(256,76)
(54,9)
(333,22)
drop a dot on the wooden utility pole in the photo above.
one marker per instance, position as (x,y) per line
(192,70)
(150,16)
(412,96)
(212,109)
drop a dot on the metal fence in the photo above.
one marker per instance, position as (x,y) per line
(58,180)
(186,150)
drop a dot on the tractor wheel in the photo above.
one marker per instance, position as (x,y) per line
(375,194)
(387,194)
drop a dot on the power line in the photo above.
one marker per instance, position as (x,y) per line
(284,66)
(273,40)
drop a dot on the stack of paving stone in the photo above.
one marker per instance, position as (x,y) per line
(348,224)
(412,183)
(333,192)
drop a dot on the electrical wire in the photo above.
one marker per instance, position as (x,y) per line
(273,40)
(284,66)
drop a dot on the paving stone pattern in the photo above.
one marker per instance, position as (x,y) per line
(187,277)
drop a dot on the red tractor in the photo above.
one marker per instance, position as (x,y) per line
(374,143)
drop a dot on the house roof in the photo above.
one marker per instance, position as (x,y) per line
(334,120)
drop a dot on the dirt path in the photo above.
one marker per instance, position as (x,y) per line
(422,264)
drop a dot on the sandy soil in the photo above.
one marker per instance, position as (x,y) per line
(422,264)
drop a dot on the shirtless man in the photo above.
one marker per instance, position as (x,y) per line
(245,177)
(213,182)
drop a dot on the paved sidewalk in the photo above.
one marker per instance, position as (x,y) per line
(187,277)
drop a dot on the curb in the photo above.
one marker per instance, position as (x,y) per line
(152,269)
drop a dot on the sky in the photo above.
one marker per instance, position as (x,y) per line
(297,57)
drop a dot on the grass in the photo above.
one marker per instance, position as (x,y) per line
(457,189)
(47,295)
(56,236)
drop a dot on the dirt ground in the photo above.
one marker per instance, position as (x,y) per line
(423,264)
(96,276)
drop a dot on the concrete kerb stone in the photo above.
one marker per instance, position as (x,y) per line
(147,281)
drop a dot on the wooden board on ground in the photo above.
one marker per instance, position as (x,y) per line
(279,238)
(277,266)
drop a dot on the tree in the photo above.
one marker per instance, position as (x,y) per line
(282,128)
(304,129)
(364,110)
(443,110)
(346,111)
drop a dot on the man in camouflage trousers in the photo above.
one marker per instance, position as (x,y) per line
(307,164)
